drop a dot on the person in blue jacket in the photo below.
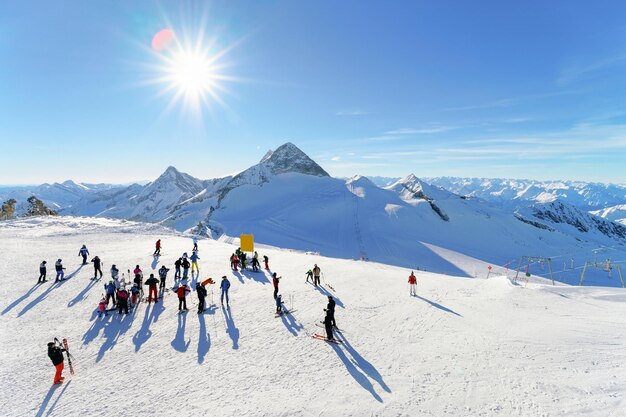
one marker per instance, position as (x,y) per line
(225,285)
(194,262)
(110,291)
(84,253)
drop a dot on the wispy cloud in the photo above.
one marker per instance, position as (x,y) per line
(351,113)
(420,131)
(575,73)
(335,158)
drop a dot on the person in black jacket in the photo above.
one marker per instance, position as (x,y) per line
(163,275)
(55,353)
(185,264)
(201,291)
(177,265)
(152,283)
(97,263)
(42,272)
(330,310)
(328,325)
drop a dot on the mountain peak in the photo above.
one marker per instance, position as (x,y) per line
(289,158)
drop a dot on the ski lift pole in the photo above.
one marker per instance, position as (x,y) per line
(550,269)
(519,265)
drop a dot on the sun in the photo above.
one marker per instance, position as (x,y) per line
(192,72)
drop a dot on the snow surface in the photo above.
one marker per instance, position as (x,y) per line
(463,347)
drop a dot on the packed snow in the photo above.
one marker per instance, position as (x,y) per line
(479,347)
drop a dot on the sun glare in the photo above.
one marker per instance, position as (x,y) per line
(192,72)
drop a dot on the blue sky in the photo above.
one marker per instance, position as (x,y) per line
(528,89)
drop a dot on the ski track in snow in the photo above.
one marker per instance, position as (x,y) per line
(462,347)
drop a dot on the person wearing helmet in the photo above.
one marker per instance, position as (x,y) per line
(224,286)
(202,293)
(412,284)
(58,266)
(97,267)
(309,276)
(157,248)
(316,275)
(134,291)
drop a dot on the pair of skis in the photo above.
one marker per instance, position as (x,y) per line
(65,346)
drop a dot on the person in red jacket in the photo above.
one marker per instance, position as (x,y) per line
(152,283)
(182,291)
(275,280)
(412,284)
(157,246)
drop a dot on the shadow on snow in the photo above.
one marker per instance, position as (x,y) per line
(179,343)
(439,306)
(232,331)
(291,323)
(151,315)
(204,339)
(81,295)
(46,400)
(45,294)
(19,300)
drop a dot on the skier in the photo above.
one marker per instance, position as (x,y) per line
(138,279)
(122,301)
(330,310)
(134,294)
(201,292)
(309,275)
(58,266)
(84,252)
(157,246)
(96,267)
(110,292)
(412,284)
(102,307)
(185,265)
(242,260)
(55,353)
(194,262)
(42,272)
(316,275)
(195,244)
(234,261)
(163,275)
(114,272)
(279,304)
(177,268)
(328,325)
(275,280)
(225,285)
(182,291)
(152,283)
(255,262)
(266,260)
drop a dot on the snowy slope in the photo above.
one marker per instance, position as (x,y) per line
(462,347)
(615,213)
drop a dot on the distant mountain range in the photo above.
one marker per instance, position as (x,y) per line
(288,200)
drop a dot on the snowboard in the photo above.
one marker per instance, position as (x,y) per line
(320,337)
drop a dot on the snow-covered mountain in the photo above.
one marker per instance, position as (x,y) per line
(615,213)
(585,195)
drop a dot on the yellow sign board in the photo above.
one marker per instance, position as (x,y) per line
(246,242)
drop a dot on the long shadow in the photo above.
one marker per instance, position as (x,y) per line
(364,365)
(358,376)
(259,276)
(19,300)
(97,325)
(325,292)
(73,273)
(179,343)
(48,397)
(113,330)
(291,323)
(439,306)
(41,296)
(194,280)
(144,333)
(81,295)
(204,339)
(239,276)
(155,262)
(232,331)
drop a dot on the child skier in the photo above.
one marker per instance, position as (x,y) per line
(84,253)
(58,266)
(255,262)
(134,295)
(122,301)
(102,307)
(194,262)
(55,353)
(42,272)
(279,304)
(266,260)
(96,267)
(412,284)
(201,292)
(309,275)
(182,291)
(163,275)
(138,278)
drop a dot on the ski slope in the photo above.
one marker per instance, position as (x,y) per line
(463,347)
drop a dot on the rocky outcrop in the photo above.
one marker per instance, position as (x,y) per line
(7,211)
(36,207)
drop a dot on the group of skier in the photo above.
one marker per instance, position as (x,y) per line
(238,260)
